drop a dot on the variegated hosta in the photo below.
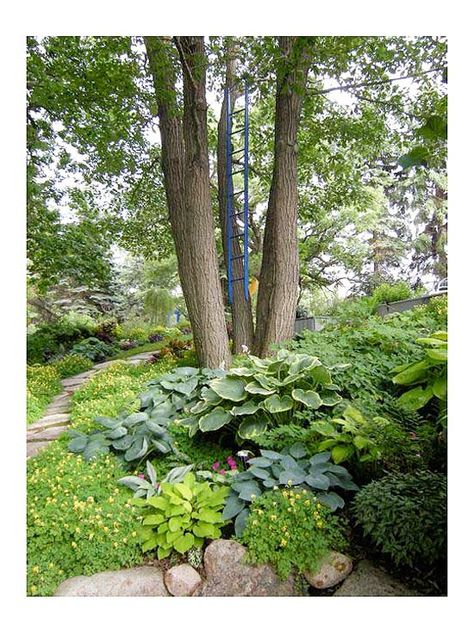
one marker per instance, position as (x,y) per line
(265,393)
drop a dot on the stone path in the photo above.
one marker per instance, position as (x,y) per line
(56,416)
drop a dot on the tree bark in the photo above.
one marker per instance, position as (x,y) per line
(185,166)
(278,288)
(242,321)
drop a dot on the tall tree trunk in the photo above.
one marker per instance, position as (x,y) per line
(278,288)
(186,177)
(242,322)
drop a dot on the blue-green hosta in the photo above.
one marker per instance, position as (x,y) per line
(292,467)
(144,433)
(265,393)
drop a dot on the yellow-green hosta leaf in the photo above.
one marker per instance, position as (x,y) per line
(184,543)
(154,520)
(214,420)
(307,397)
(230,388)
(341,452)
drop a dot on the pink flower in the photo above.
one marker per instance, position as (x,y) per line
(222,471)
(233,466)
(216,465)
(231,462)
(140,475)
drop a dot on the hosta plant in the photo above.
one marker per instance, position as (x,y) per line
(427,378)
(264,393)
(147,488)
(290,468)
(132,436)
(347,437)
(138,435)
(182,516)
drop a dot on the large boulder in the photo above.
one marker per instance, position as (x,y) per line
(335,567)
(369,580)
(228,575)
(136,581)
(182,580)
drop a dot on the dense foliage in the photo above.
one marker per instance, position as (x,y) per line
(404,515)
(292,530)
(43,382)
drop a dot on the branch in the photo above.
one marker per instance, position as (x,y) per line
(368,84)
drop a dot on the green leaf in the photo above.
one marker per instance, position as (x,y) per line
(309,398)
(261,462)
(324,428)
(77,445)
(158,502)
(332,500)
(184,490)
(317,481)
(416,398)
(184,543)
(440,388)
(263,474)
(241,522)
(330,398)
(341,452)
(440,354)
(137,450)
(135,418)
(122,444)
(321,375)
(415,372)
(205,530)
(251,427)
(276,404)
(214,420)
(270,455)
(233,506)
(230,388)
(292,477)
(247,408)
(255,388)
(154,520)
(210,516)
(186,387)
(418,156)
(248,490)
(298,450)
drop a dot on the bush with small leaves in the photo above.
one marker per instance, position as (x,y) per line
(291,530)
(404,515)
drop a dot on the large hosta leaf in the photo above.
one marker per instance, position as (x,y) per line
(307,397)
(276,404)
(251,427)
(330,398)
(303,363)
(412,374)
(321,375)
(230,388)
(242,410)
(137,450)
(210,396)
(186,387)
(214,420)
(255,388)
(416,398)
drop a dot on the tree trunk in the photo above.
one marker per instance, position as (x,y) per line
(242,321)
(186,177)
(278,288)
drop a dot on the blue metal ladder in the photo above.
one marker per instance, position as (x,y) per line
(237,222)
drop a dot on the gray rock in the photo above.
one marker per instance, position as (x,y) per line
(49,421)
(47,434)
(32,449)
(228,575)
(182,580)
(369,580)
(335,568)
(136,581)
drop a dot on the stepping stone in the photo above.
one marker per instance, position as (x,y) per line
(48,434)
(32,449)
(135,581)
(52,421)
(369,580)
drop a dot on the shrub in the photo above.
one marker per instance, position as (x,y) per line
(43,383)
(291,530)
(79,521)
(72,364)
(391,292)
(182,516)
(54,339)
(94,349)
(404,515)
(106,331)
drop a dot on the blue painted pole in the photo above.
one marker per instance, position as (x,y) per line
(230,191)
(246,194)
